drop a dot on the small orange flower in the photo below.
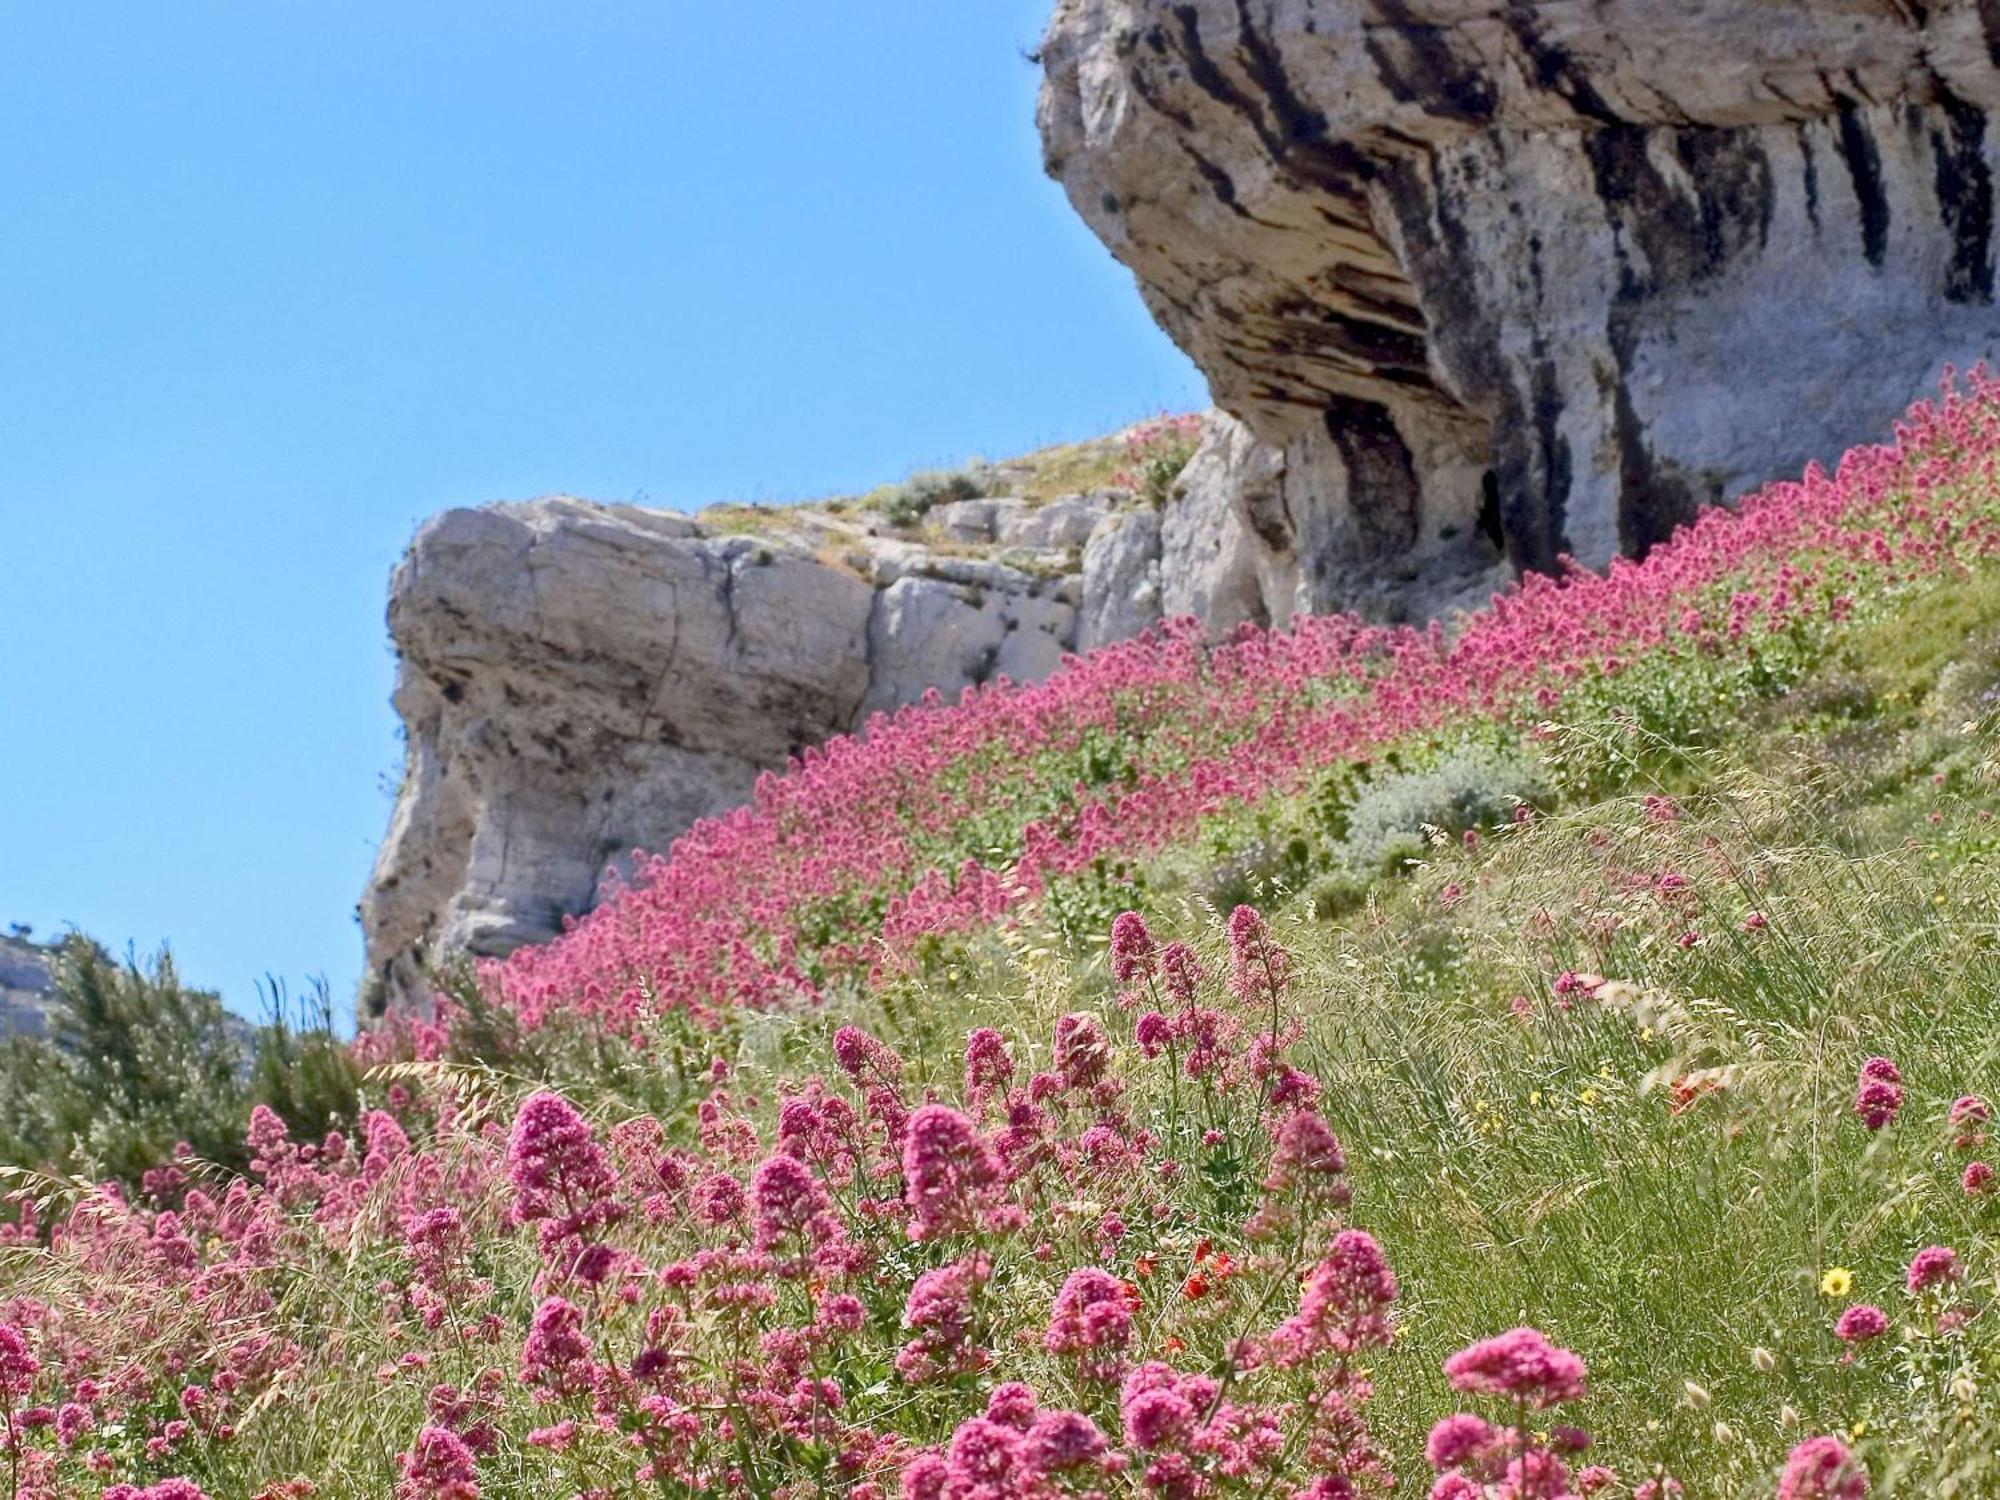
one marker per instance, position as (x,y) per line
(1201,1251)
(1195,1287)
(1146,1265)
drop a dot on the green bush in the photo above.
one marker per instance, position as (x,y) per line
(134,1063)
(1477,787)
(909,502)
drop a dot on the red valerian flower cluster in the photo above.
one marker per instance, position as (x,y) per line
(737,913)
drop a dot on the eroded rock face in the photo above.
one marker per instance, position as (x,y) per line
(1523,277)
(580,680)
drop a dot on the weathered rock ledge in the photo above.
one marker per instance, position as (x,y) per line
(579,680)
(1532,276)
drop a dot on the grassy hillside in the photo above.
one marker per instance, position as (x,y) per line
(1186,1078)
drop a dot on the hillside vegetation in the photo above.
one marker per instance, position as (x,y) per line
(1543,1057)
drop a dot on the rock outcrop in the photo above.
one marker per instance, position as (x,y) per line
(1476,283)
(1515,278)
(581,680)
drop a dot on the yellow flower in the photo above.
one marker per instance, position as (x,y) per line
(1837,1282)
(1588,1096)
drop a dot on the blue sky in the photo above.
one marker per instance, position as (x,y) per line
(280,280)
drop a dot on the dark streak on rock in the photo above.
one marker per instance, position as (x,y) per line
(1653,499)
(1532,469)
(1989,21)
(1732,178)
(1383,491)
(1965,199)
(1219,181)
(1418,66)
(1554,68)
(1864,166)
(1811,160)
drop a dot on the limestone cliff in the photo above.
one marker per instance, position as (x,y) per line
(580,680)
(1475,283)
(1525,277)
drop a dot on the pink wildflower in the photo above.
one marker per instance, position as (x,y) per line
(1081,1050)
(1091,1321)
(1344,1305)
(561,1176)
(556,1355)
(1821,1468)
(792,1208)
(1520,1365)
(1457,1440)
(1860,1323)
(440,1467)
(948,1171)
(1131,948)
(1933,1266)
(1878,1095)
(17,1364)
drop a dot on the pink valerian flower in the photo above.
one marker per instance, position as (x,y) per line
(562,1178)
(1978,1178)
(1259,970)
(1159,1407)
(1091,1322)
(1082,1050)
(1860,1323)
(17,1364)
(1519,1365)
(1012,1404)
(866,1060)
(940,1312)
(718,1199)
(1343,1306)
(1307,1160)
(1932,1267)
(1181,972)
(1132,954)
(556,1358)
(950,1172)
(439,1467)
(1877,1101)
(1969,1113)
(792,1210)
(1821,1468)
(386,1143)
(1459,1441)
(989,1067)
(1878,1094)
(1305,1176)
(1153,1033)
(165,1489)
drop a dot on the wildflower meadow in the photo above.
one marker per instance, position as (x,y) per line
(1544,1056)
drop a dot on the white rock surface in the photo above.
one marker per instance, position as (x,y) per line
(1121,579)
(1526,277)
(1066,521)
(580,680)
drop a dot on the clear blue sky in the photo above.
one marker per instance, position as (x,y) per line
(278,280)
